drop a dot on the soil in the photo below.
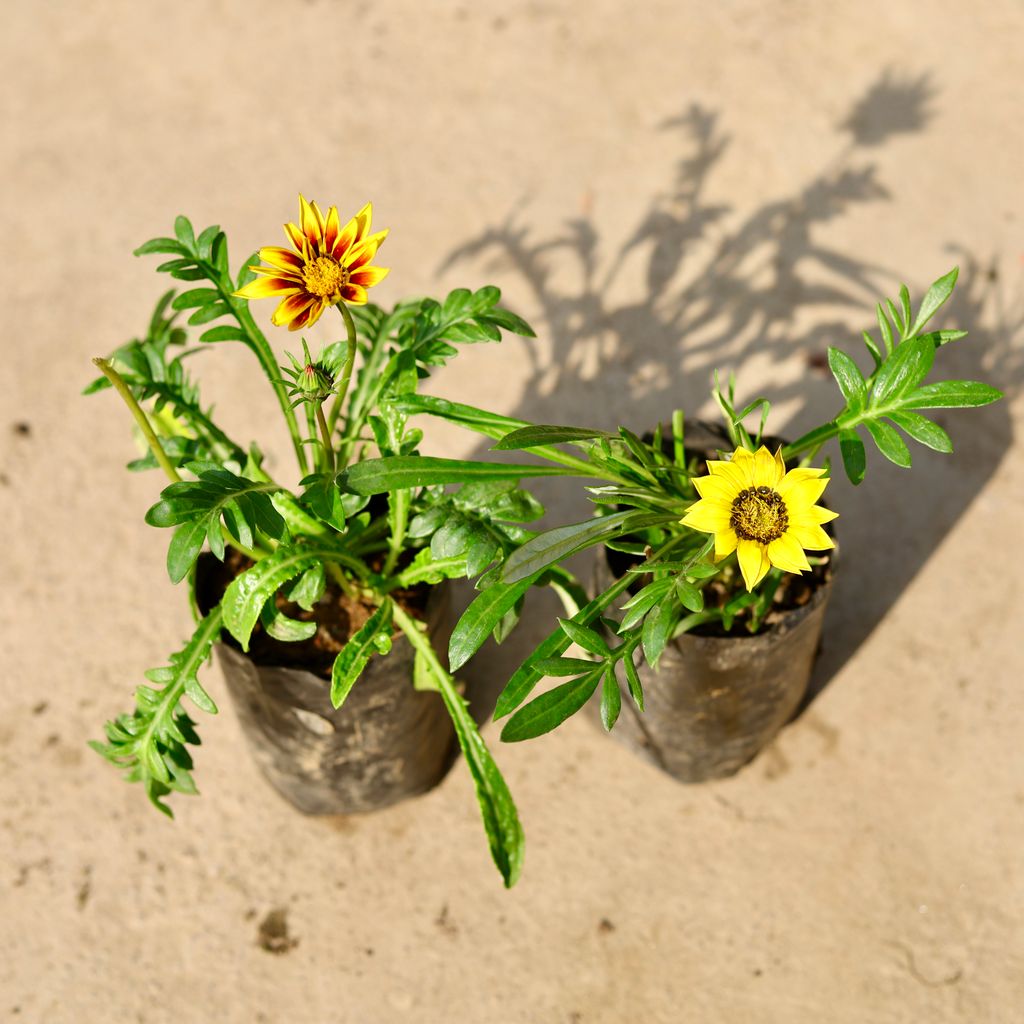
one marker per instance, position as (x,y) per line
(337,616)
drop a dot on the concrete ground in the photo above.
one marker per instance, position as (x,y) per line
(661,188)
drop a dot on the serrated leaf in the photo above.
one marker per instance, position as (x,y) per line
(281,627)
(224,333)
(353,657)
(249,592)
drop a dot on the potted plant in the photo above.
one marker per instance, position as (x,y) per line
(328,607)
(714,550)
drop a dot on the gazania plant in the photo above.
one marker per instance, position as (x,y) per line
(715,540)
(294,554)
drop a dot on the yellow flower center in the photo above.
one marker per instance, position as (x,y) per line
(760,514)
(324,277)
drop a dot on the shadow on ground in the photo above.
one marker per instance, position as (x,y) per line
(635,330)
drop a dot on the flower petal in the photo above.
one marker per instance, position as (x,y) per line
(730,471)
(719,488)
(290,308)
(354,294)
(797,476)
(813,538)
(311,220)
(309,316)
(294,235)
(346,239)
(332,229)
(786,553)
(363,220)
(369,276)
(707,516)
(362,252)
(265,287)
(725,544)
(283,259)
(802,495)
(754,563)
(744,463)
(813,516)
(766,470)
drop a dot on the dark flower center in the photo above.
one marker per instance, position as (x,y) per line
(759,513)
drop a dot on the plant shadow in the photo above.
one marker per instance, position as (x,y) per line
(639,326)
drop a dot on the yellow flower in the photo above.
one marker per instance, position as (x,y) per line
(764,514)
(327,264)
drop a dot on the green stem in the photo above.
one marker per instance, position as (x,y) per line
(261,347)
(140,417)
(325,436)
(346,370)
(398,502)
(811,441)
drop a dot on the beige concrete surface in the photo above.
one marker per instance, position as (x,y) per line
(661,188)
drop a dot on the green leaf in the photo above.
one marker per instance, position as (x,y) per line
(199,506)
(689,596)
(224,333)
(582,636)
(872,347)
(353,657)
(377,476)
(480,618)
(184,233)
(149,745)
(851,447)
(657,629)
(195,297)
(903,371)
(550,709)
(923,430)
(281,627)
(849,378)
(563,666)
(889,443)
(249,592)
(554,545)
(636,689)
(952,394)
(939,292)
(611,699)
(885,327)
(162,245)
(905,305)
(533,436)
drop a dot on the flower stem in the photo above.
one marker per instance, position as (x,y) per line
(346,370)
(325,436)
(141,418)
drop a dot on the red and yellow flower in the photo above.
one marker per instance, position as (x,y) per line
(326,264)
